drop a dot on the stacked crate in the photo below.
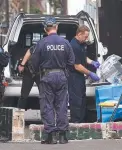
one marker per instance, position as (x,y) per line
(108,94)
(11,124)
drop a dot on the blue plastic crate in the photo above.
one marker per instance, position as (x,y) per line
(108,93)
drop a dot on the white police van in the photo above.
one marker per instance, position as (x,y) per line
(25,30)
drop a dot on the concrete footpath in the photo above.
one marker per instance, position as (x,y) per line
(75,145)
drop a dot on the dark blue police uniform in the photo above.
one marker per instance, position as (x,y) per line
(27,82)
(53,55)
(77,87)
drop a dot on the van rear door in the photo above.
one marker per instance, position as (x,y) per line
(84,18)
(97,49)
(12,37)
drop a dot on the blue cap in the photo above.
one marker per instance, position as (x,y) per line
(49,22)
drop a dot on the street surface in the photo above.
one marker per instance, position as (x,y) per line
(73,145)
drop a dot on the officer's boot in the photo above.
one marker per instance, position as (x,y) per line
(47,139)
(62,137)
(51,139)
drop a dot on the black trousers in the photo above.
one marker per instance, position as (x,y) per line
(27,84)
(77,97)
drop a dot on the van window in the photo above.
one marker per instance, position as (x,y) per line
(28,39)
(33,38)
(36,38)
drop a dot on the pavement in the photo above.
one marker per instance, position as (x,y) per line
(72,145)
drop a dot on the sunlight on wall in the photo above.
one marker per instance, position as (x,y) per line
(74,6)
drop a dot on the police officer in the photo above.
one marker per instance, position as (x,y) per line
(53,55)
(77,87)
(29,77)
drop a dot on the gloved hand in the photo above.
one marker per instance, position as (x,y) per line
(94,76)
(96,64)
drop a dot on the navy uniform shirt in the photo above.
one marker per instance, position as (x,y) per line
(53,52)
(80,51)
(32,49)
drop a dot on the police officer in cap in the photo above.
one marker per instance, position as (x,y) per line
(54,55)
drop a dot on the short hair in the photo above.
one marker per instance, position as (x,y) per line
(50,28)
(82,29)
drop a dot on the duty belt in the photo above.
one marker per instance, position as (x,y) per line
(46,71)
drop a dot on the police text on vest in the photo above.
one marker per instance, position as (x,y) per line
(55,47)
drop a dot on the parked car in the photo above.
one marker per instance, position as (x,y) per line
(26,29)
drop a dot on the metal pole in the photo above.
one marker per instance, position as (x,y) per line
(28,6)
(97,16)
(65,7)
(7,13)
(48,7)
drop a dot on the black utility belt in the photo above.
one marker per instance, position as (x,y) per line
(46,71)
(52,70)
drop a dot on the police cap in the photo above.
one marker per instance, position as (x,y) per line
(50,22)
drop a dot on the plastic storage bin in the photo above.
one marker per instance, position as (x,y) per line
(108,93)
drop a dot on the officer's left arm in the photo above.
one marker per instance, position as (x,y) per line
(96,64)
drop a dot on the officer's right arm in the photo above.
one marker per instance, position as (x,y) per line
(26,57)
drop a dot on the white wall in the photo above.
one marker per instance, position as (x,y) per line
(75,6)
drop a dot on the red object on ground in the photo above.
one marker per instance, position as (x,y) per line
(5,83)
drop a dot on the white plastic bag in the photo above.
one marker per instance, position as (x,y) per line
(111,70)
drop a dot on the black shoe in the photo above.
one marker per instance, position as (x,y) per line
(47,140)
(62,137)
(51,139)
